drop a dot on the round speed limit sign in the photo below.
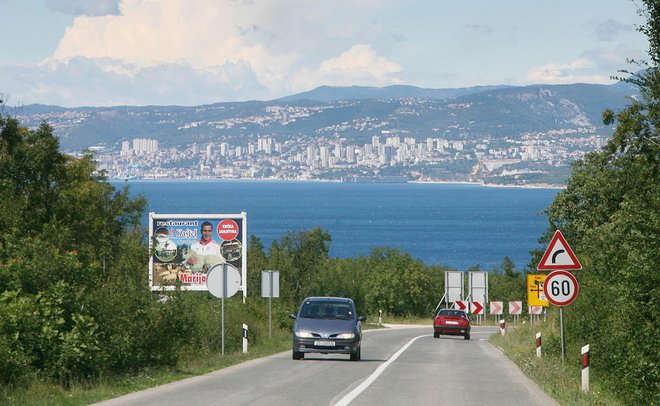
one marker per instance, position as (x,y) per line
(561,288)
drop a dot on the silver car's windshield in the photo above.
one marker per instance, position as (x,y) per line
(326,310)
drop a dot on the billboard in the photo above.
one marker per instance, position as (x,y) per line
(184,247)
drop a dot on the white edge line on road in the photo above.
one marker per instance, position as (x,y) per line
(365,384)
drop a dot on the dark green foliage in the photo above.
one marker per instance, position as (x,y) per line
(506,284)
(300,255)
(72,267)
(610,212)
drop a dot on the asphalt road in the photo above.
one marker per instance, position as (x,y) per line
(399,366)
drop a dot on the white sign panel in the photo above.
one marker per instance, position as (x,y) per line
(454,286)
(561,288)
(496,307)
(478,286)
(215,280)
(477,307)
(515,307)
(270,284)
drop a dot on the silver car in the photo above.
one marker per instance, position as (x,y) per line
(327,325)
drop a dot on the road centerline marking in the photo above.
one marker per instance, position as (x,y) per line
(367,382)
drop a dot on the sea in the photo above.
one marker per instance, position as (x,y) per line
(456,225)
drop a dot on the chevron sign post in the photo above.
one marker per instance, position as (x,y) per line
(477,308)
(496,308)
(462,305)
(515,308)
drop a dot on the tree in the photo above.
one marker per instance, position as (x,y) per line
(505,283)
(71,263)
(610,211)
(300,256)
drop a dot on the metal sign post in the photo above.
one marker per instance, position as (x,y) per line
(223,280)
(561,289)
(561,333)
(270,288)
(224,295)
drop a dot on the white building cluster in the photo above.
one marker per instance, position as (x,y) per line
(140,146)
(307,157)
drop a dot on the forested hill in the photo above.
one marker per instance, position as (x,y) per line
(356,113)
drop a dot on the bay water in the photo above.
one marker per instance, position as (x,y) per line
(457,225)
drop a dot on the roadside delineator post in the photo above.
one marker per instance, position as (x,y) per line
(245,338)
(380,317)
(538,344)
(585,368)
(502,326)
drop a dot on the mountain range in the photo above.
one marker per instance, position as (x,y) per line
(356,113)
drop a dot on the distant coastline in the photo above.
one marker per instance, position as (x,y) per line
(430,182)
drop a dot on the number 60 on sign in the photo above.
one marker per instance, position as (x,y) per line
(561,288)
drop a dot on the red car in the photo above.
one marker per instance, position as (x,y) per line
(451,322)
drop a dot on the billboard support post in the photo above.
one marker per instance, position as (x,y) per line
(224,295)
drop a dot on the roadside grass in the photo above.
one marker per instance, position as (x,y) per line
(561,381)
(85,393)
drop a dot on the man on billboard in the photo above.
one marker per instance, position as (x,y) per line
(204,253)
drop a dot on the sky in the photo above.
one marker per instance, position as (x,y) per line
(76,53)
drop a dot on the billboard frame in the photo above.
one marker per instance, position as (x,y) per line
(190,223)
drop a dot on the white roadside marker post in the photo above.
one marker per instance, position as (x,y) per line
(538,344)
(245,338)
(585,368)
(502,326)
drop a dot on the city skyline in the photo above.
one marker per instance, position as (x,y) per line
(509,161)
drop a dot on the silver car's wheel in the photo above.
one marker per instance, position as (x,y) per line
(298,355)
(357,354)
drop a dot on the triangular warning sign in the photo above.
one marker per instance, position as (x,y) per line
(558,255)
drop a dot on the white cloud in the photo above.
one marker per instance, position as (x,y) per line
(226,50)
(360,65)
(103,82)
(574,72)
(286,46)
(593,66)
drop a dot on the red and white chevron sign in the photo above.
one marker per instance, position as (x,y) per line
(515,308)
(461,305)
(496,307)
(535,309)
(477,308)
